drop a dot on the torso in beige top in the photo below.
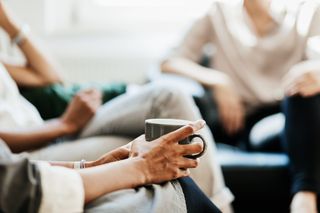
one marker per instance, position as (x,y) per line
(255,64)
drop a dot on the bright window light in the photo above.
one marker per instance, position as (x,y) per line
(149,3)
(125,15)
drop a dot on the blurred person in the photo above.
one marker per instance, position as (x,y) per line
(71,136)
(36,74)
(261,57)
(301,134)
(136,175)
(256,43)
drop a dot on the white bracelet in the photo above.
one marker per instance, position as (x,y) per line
(76,165)
(79,164)
(20,37)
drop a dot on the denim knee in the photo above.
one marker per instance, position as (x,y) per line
(301,102)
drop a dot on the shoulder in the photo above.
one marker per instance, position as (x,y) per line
(299,5)
(224,7)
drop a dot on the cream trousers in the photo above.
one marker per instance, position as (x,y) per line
(119,121)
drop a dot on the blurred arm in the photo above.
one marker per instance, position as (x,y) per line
(39,70)
(186,59)
(30,138)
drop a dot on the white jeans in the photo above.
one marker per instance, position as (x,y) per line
(122,119)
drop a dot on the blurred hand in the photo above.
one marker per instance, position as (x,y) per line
(305,83)
(230,107)
(81,109)
(164,157)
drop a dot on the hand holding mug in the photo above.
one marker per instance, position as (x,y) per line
(164,158)
(155,128)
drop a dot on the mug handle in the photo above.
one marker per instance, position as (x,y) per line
(191,137)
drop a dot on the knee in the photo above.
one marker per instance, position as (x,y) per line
(301,102)
(171,95)
(298,106)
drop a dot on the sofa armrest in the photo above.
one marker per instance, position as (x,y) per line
(260,182)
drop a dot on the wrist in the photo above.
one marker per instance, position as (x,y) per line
(218,79)
(222,79)
(66,127)
(90,164)
(139,165)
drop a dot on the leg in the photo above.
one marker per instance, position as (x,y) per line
(300,138)
(174,196)
(196,201)
(88,148)
(126,115)
(155,198)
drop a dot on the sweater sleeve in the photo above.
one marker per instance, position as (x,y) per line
(312,47)
(200,33)
(20,186)
(37,187)
(62,189)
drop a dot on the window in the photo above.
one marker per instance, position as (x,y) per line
(136,15)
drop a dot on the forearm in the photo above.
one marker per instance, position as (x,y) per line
(37,61)
(70,164)
(30,138)
(25,76)
(205,76)
(111,177)
(62,163)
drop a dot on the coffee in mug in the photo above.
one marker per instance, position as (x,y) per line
(155,128)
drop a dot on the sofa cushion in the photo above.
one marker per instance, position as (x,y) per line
(259,181)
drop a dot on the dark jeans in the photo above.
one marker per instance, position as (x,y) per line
(301,138)
(196,200)
(209,112)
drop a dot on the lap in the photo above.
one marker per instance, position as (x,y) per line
(155,198)
(196,200)
(181,195)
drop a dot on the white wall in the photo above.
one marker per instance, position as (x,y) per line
(87,56)
(31,11)
(123,53)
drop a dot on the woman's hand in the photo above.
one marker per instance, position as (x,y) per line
(230,107)
(163,159)
(151,162)
(117,154)
(81,109)
(302,82)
